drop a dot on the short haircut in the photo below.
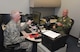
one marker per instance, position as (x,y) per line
(14,13)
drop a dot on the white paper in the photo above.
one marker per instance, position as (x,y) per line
(43,31)
(51,34)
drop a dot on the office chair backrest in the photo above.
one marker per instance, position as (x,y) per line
(0,20)
(68,31)
(71,24)
(5,18)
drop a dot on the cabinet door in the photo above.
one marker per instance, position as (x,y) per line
(45,3)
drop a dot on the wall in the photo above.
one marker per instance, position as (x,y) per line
(7,5)
(44,11)
(74,13)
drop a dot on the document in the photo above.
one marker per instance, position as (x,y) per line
(50,33)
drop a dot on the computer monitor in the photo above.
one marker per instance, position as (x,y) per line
(36,17)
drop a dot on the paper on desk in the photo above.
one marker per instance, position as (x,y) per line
(43,31)
(51,34)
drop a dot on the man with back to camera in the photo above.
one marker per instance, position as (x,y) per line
(64,22)
(12,33)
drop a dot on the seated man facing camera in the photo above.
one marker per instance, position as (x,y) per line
(64,22)
(12,33)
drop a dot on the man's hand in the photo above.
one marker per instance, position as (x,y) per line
(25,34)
(29,22)
(54,27)
(59,24)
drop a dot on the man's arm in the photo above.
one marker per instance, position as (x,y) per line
(15,38)
(59,21)
(26,25)
(67,24)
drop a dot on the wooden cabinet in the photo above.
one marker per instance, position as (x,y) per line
(45,3)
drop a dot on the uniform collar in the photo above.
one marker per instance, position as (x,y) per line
(64,17)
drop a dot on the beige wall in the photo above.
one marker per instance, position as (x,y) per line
(74,13)
(7,5)
(44,11)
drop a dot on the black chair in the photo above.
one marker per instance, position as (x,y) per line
(68,30)
(1,35)
(71,25)
(11,48)
(5,18)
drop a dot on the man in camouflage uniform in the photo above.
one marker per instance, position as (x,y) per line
(64,22)
(12,33)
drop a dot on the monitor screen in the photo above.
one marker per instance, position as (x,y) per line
(36,17)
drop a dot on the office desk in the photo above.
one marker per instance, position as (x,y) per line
(51,20)
(35,41)
(32,39)
(54,44)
